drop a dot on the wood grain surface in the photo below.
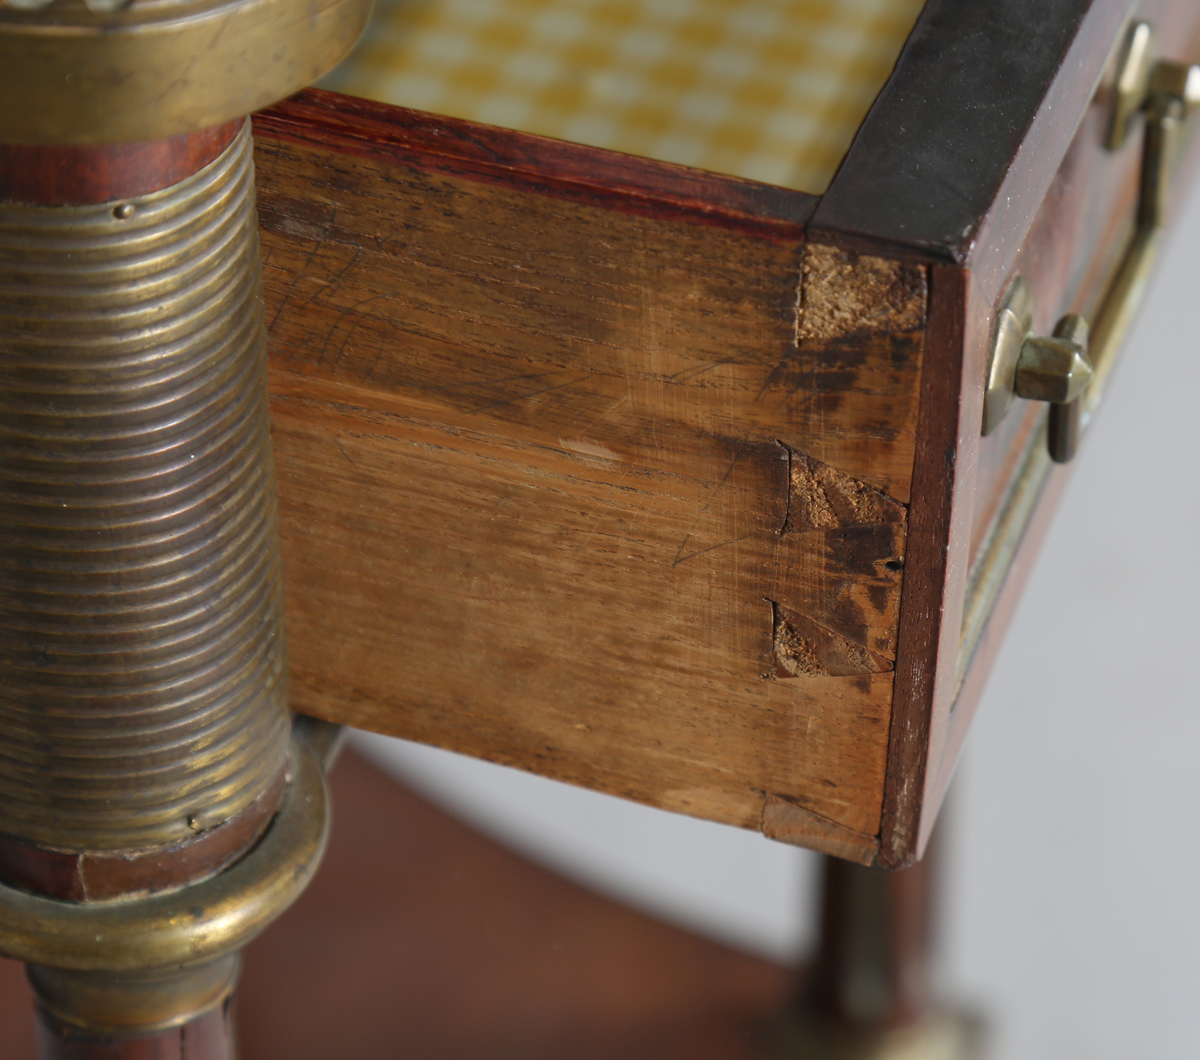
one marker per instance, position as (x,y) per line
(434,143)
(550,471)
(931,612)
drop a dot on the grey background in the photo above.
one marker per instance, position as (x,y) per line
(1070,909)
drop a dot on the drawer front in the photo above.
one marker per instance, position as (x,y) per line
(1079,242)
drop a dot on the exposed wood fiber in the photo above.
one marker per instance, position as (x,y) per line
(844,294)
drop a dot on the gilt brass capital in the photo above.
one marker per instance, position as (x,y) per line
(76,73)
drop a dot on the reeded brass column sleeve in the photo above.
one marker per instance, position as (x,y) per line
(155,812)
(143,695)
(150,821)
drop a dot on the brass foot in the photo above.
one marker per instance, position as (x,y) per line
(940,1035)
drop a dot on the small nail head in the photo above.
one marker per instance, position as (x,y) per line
(124,211)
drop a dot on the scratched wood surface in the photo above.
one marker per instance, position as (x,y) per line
(617,495)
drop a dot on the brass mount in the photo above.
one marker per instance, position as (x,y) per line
(178,946)
(1053,368)
(126,70)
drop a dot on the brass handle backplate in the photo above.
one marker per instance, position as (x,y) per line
(1067,369)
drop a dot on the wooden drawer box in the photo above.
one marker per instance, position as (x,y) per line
(672,484)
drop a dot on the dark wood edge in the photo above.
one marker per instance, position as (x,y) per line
(947,745)
(93,877)
(929,160)
(1018,200)
(533,164)
(924,615)
(84,174)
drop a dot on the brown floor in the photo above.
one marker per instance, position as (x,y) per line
(422,939)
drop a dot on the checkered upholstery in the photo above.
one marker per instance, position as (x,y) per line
(773,90)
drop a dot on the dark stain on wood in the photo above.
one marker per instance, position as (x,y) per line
(789,821)
(822,498)
(512,419)
(856,539)
(437,144)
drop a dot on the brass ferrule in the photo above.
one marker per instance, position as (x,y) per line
(187,926)
(144,698)
(141,965)
(139,1003)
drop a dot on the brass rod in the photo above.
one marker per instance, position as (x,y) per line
(870,992)
(1124,296)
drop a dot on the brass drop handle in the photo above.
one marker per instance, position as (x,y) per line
(1066,369)
(1053,368)
(1057,370)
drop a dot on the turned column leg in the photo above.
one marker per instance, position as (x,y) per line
(143,710)
(206,1037)
(156,810)
(873,962)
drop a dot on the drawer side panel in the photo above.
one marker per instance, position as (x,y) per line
(614,498)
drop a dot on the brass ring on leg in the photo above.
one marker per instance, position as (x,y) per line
(194,925)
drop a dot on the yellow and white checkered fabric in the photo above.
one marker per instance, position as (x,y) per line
(773,90)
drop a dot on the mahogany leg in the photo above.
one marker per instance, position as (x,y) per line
(208,1037)
(869,993)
